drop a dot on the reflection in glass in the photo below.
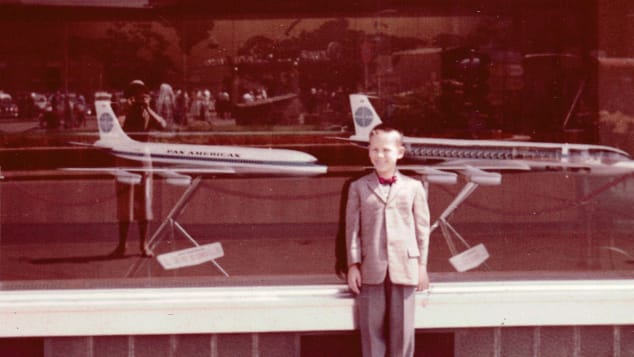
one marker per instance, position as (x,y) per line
(283,82)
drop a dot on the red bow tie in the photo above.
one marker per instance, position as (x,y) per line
(387,181)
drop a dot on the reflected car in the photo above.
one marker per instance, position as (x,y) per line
(8,107)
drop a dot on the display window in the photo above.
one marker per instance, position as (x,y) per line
(198,146)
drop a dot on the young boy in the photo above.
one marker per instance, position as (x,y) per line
(387,239)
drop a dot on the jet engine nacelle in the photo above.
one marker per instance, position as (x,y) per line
(483,178)
(176,179)
(441,179)
(126,177)
(435,176)
(181,181)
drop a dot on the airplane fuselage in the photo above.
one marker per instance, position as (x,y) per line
(459,155)
(239,159)
(509,150)
(177,162)
(595,159)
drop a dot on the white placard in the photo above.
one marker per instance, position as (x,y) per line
(191,256)
(470,258)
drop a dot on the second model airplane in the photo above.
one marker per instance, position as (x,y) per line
(482,162)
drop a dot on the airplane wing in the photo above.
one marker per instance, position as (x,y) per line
(121,174)
(79,143)
(477,171)
(446,173)
(132,175)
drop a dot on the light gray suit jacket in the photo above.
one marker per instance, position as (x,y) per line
(387,234)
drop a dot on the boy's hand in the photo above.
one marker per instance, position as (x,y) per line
(423,279)
(354,278)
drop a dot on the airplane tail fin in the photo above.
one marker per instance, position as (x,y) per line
(110,130)
(364,116)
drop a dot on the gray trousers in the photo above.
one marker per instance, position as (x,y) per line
(386,319)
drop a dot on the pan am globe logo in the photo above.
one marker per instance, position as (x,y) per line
(106,122)
(363,116)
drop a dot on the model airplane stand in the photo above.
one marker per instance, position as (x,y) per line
(473,256)
(170,225)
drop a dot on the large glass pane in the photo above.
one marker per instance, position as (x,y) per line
(541,91)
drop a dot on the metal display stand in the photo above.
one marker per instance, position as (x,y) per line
(448,230)
(170,225)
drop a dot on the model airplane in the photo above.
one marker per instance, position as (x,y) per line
(176,162)
(482,162)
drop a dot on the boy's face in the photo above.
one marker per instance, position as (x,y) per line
(384,151)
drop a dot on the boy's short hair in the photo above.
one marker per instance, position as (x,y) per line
(387,129)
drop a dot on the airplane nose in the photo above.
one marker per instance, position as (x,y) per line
(304,157)
(310,157)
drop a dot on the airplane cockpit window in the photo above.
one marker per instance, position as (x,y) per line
(254,122)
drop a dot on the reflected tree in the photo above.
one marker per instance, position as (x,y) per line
(140,50)
(190,32)
(330,56)
(134,50)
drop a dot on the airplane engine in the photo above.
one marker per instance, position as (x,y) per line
(486,179)
(441,179)
(129,178)
(481,177)
(436,176)
(184,181)
(176,179)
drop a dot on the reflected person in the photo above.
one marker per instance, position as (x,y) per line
(134,201)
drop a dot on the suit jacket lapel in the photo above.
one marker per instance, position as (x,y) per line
(373,184)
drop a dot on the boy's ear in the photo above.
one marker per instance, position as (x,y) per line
(401,151)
